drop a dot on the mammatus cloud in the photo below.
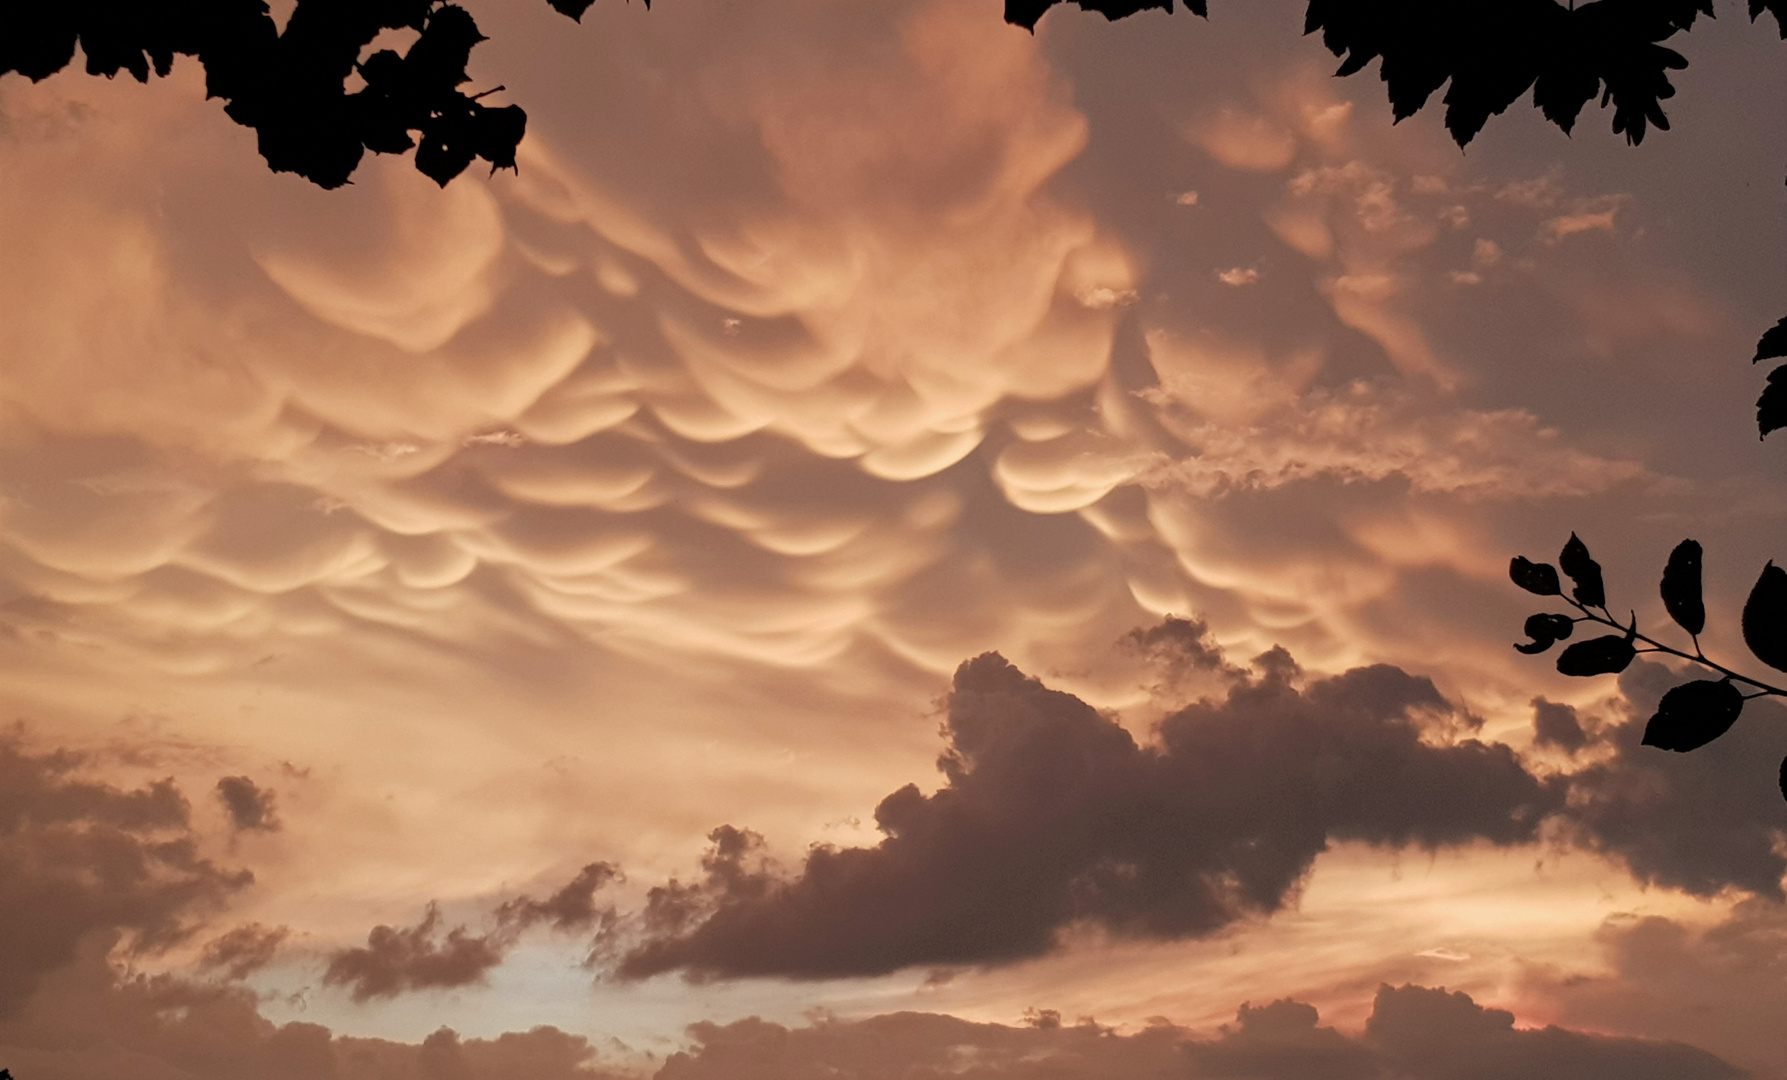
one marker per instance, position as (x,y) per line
(250,807)
(1414,1033)
(1053,816)
(80,857)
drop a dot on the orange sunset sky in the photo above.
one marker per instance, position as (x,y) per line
(538,628)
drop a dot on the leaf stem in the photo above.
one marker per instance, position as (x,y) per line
(1657,646)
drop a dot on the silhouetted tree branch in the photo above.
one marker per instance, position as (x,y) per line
(290,85)
(1694,713)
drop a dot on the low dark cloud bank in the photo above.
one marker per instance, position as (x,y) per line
(1414,1033)
(80,857)
(249,806)
(1702,822)
(1052,814)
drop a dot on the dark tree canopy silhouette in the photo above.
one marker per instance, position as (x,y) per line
(290,85)
(1491,53)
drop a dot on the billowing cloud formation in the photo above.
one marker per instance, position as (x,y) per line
(249,806)
(396,959)
(242,951)
(81,857)
(572,907)
(1702,822)
(87,1021)
(1427,1034)
(1053,815)
(1717,986)
(1414,1034)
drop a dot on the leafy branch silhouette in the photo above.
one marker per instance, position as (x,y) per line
(1491,53)
(290,85)
(1695,713)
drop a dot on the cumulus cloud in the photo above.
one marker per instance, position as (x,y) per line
(399,959)
(1053,816)
(81,857)
(1430,1034)
(243,950)
(250,807)
(1702,822)
(572,907)
(1414,1033)
(1716,985)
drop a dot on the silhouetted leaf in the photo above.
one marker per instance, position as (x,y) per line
(1777,8)
(1024,13)
(1784,778)
(1540,578)
(1771,407)
(1597,656)
(288,84)
(1585,572)
(1694,714)
(1774,343)
(1765,617)
(1545,631)
(576,8)
(1681,588)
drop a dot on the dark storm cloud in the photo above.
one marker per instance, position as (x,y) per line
(1703,821)
(1052,815)
(572,907)
(398,959)
(241,952)
(79,857)
(249,806)
(1178,643)
(1558,725)
(1414,1034)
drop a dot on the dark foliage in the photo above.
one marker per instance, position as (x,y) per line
(1690,715)
(1765,618)
(290,86)
(1681,587)
(1546,631)
(1540,578)
(1585,572)
(1607,655)
(1694,714)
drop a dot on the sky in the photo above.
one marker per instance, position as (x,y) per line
(890,546)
